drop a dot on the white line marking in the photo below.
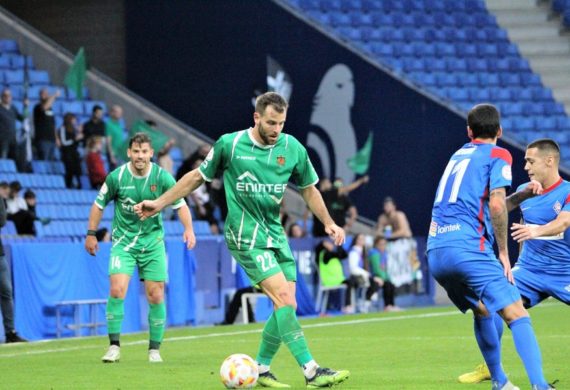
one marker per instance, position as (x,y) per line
(218,334)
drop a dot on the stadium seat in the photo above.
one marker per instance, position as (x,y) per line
(38,77)
(8,46)
(7,166)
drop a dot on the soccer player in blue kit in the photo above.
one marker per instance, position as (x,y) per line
(469,214)
(543,267)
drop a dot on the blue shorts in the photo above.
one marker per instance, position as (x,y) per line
(470,277)
(536,286)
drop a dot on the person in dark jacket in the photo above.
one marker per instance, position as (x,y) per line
(6,299)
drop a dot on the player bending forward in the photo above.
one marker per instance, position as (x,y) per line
(257,164)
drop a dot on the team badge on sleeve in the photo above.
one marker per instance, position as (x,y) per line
(281,160)
(507,173)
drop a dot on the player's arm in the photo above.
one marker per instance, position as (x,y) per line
(186,219)
(315,202)
(188,183)
(95,215)
(380,225)
(344,190)
(500,221)
(532,189)
(524,232)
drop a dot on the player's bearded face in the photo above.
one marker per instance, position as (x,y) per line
(270,125)
(140,155)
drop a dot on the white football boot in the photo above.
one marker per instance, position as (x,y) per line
(113,354)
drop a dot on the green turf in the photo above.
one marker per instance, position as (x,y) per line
(415,349)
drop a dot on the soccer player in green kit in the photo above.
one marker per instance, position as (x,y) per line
(257,164)
(135,242)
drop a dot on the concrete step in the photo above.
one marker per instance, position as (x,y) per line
(553,62)
(533,34)
(496,5)
(522,17)
(544,49)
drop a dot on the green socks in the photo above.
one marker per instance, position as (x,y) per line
(115,314)
(270,341)
(292,335)
(156,321)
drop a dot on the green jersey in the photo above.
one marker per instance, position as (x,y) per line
(255,179)
(128,189)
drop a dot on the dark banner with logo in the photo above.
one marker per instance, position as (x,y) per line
(205,61)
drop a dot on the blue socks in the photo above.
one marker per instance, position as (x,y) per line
(528,350)
(489,342)
(499,324)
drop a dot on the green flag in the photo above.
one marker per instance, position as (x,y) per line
(360,162)
(75,76)
(158,138)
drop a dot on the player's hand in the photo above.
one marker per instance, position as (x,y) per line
(507,271)
(336,233)
(91,245)
(534,187)
(189,238)
(522,233)
(146,209)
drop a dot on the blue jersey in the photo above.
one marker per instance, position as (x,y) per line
(551,254)
(460,215)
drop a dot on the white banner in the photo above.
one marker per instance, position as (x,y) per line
(402,259)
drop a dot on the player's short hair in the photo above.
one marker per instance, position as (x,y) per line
(140,138)
(96,108)
(273,99)
(547,146)
(484,121)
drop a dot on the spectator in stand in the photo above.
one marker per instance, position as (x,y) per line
(4,190)
(378,261)
(392,223)
(115,133)
(203,207)
(163,158)
(69,137)
(331,273)
(15,202)
(359,275)
(6,299)
(338,203)
(295,231)
(24,219)
(45,138)
(95,126)
(9,140)
(94,162)
(188,163)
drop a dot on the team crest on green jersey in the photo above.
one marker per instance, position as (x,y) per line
(152,187)
(281,160)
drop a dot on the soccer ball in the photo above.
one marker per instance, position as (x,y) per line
(239,371)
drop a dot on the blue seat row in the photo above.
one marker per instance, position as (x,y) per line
(8,46)
(66,197)
(74,229)
(70,212)
(31,180)
(13,61)
(421,50)
(466,35)
(405,6)
(48,167)
(7,166)
(513,66)
(175,228)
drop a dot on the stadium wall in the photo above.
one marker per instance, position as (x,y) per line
(205,61)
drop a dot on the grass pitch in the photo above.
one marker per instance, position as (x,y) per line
(415,349)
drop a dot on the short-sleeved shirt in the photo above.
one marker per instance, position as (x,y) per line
(255,179)
(126,190)
(550,255)
(115,130)
(460,215)
(44,124)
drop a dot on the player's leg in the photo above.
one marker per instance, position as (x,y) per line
(119,283)
(281,290)
(152,269)
(156,318)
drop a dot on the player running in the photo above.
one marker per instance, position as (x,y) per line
(257,164)
(469,213)
(136,243)
(543,267)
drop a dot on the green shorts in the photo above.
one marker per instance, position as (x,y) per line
(151,263)
(259,264)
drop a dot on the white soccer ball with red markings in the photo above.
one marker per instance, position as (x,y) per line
(239,371)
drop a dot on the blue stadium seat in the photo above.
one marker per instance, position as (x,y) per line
(74,107)
(71,95)
(339,19)
(542,94)
(466,50)
(38,77)
(14,77)
(523,124)
(457,94)
(4,62)
(8,46)
(18,61)
(546,123)
(511,109)
(201,227)
(500,95)
(7,166)
(446,80)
